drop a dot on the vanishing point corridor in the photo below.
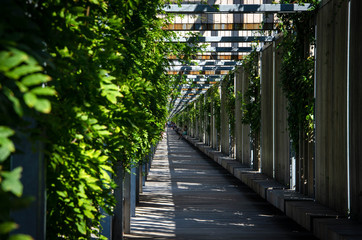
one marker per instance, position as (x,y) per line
(189,196)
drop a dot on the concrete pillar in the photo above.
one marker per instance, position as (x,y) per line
(245,128)
(211,124)
(281,136)
(133,192)
(207,120)
(355,110)
(197,127)
(214,143)
(201,118)
(242,131)
(106,223)
(117,226)
(267,110)
(232,137)
(127,203)
(139,182)
(31,220)
(224,131)
(238,114)
(331,105)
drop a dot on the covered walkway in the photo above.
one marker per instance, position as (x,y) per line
(189,196)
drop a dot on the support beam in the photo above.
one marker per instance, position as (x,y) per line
(199,68)
(236,8)
(228,49)
(201,78)
(209,72)
(205,63)
(195,86)
(213,57)
(216,39)
(219,26)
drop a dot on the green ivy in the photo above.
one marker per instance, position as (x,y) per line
(251,99)
(24,95)
(215,98)
(230,101)
(297,71)
(92,76)
(207,111)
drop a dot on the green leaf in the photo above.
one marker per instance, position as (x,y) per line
(16,103)
(11,181)
(35,79)
(81,227)
(30,99)
(7,227)
(43,105)
(23,70)
(6,145)
(6,148)
(43,91)
(107,168)
(63,194)
(20,237)
(11,59)
(88,214)
(6,132)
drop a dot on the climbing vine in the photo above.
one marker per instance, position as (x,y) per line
(90,75)
(230,101)
(207,111)
(216,103)
(297,71)
(251,101)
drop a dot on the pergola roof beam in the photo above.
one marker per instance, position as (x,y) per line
(228,49)
(236,8)
(213,57)
(223,39)
(219,26)
(199,68)
(189,76)
(206,63)
(210,72)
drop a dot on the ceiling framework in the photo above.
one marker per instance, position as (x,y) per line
(236,8)
(219,26)
(229,32)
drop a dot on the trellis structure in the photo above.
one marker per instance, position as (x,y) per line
(326,166)
(229,31)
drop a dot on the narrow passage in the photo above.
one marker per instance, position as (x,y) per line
(189,196)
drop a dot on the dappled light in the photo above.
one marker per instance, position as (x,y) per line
(172,119)
(187,196)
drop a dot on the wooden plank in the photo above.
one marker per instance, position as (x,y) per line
(189,196)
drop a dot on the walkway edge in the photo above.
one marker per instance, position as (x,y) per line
(324,222)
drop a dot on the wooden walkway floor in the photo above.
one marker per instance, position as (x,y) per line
(188,196)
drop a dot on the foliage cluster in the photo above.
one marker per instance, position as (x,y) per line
(207,111)
(251,99)
(297,71)
(90,75)
(216,103)
(200,110)
(230,101)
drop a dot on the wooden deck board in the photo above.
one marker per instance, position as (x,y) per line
(189,196)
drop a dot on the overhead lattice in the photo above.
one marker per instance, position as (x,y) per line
(228,30)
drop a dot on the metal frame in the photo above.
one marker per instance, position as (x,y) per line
(222,39)
(219,27)
(213,61)
(236,57)
(199,68)
(236,8)
(207,63)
